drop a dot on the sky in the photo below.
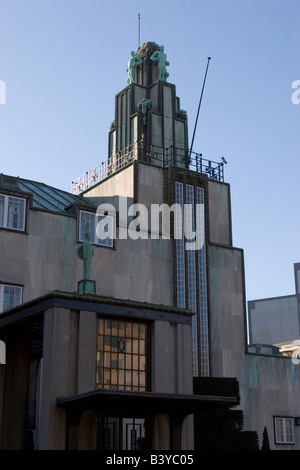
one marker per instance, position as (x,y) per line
(63,61)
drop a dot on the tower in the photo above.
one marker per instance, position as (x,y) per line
(149,139)
(149,124)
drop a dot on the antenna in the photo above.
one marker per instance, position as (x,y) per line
(208,59)
(139,30)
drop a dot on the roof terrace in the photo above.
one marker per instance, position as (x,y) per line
(172,156)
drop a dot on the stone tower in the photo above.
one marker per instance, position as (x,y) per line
(149,124)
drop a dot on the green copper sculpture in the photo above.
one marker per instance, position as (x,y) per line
(144,105)
(85,252)
(133,62)
(161,58)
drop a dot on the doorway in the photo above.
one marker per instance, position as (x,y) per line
(121,433)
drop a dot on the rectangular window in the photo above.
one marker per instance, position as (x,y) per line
(203,302)
(12,212)
(192,276)
(180,253)
(191,272)
(93,219)
(122,355)
(284,430)
(10,296)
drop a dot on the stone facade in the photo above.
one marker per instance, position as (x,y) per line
(65,384)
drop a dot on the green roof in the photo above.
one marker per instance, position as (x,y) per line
(44,197)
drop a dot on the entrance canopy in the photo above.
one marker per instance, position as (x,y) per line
(116,402)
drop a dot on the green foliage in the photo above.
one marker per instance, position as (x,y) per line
(265,443)
(221,428)
(217,386)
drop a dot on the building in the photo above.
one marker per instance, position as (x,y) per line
(274,344)
(275,320)
(273,378)
(116,295)
(100,354)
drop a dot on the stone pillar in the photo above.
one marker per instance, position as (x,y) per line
(58,374)
(161,432)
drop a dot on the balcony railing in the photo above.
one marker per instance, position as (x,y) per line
(172,156)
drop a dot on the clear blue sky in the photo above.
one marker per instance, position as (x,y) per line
(63,61)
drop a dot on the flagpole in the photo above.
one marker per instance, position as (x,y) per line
(208,59)
(139,30)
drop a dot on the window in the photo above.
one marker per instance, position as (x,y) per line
(180,257)
(10,296)
(284,430)
(12,212)
(93,219)
(121,355)
(191,276)
(203,302)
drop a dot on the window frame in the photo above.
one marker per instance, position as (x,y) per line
(284,420)
(5,225)
(94,238)
(122,357)
(2,287)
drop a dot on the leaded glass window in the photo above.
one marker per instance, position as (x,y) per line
(180,253)
(203,303)
(12,212)
(122,355)
(191,272)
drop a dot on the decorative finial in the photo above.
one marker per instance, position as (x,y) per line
(139,30)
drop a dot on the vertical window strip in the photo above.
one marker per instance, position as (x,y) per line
(180,255)
(203,305)
(191,272)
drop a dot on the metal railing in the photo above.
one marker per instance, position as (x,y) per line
(105,169)
(214,170)
(172,156)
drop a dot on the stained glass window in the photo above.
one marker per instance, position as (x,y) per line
(121,355)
